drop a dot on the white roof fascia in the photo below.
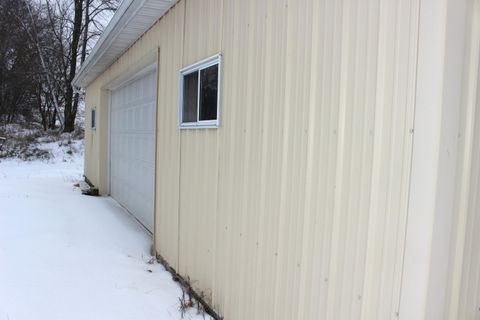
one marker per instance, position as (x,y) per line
(123,30)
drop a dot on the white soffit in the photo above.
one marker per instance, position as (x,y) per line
(131,20)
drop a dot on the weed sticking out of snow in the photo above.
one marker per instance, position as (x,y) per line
(151,260)
(189,302)
(186,303)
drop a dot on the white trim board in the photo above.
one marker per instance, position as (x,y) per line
(131,20)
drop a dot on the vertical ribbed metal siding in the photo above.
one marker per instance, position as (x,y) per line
(199,157)
(168,35)
(464,291)
(295,208)
(309,170)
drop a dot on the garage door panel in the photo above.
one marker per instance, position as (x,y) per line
(132,147)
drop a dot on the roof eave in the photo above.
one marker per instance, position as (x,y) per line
(124,18)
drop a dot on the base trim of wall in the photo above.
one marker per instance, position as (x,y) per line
(187,287)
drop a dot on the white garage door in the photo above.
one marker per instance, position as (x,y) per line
(132,142)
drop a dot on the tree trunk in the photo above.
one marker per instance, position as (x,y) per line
(42,108)
(53,119)
(83,54)
(85,31)
(71,100)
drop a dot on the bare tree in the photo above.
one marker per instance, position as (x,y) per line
(64,31)
(77,24)
(71,102)
(19,72)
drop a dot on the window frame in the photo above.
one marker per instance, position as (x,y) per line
(93,118)
(198,67)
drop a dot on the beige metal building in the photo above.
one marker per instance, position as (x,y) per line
(298,159)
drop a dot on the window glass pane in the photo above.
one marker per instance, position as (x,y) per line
(190,95)
(208,93)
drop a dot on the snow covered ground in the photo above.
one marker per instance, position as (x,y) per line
(68,256)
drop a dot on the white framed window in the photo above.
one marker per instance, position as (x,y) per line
(92,118)
(199,94)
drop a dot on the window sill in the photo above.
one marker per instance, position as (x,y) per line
(199,125)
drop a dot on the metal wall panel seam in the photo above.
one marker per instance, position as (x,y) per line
(180,149)
(337,212)
(392,312)
(375,176)
(411,89)
(416,14)
(155,187)
(285,131)
(302,298)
